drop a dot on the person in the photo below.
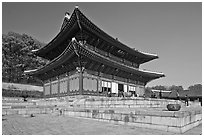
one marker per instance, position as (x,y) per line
(61,112)
(186,100)
(109,94)
(160,94)
(122,93)
(118,93)
(200,100)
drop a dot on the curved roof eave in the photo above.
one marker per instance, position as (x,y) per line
(39,52)
(58,60)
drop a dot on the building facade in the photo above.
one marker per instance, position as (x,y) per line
(85,60)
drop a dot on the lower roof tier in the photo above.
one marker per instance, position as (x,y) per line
(78,55)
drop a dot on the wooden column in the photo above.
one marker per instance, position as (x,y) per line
(50,87)
(111,87)
(43,89)
(68,84)
(127,86)
(58,78)
(97,82)
(80,83)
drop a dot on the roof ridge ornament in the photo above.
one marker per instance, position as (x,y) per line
(73,39)
(76,6)
(67,15)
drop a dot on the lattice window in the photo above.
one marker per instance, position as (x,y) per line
(63,85)
(74,84)
(89,84)
(54,87)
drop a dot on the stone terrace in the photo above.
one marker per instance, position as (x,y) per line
(137,112)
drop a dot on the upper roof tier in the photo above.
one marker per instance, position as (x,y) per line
(77,23)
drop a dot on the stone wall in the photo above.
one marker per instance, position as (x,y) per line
(177,122)
(128,103)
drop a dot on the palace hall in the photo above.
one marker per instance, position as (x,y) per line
(85,60)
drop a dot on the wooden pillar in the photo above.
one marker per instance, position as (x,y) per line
(50,87)
(80,83)
(43,89)
(97,82)
(127,86)
(58,78)
(68,84)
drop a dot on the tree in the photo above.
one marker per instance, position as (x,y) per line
(159,87)
(195,88)
(176,88)
(148,92)
(17,57)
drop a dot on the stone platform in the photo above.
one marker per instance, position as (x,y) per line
(145,113)
(160,119)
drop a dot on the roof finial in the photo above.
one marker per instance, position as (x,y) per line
(76,6)
(67,15)
(73,39)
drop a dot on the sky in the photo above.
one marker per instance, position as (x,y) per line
(171,30)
